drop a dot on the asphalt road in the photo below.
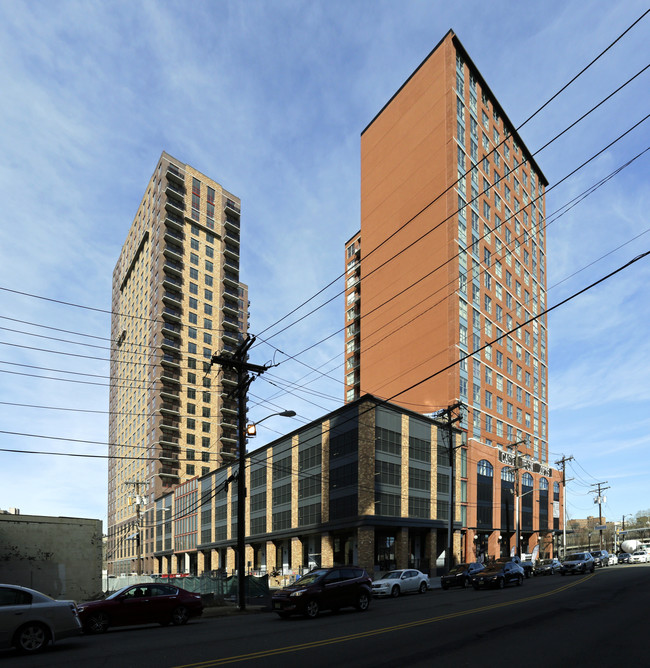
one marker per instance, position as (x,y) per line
(598,620)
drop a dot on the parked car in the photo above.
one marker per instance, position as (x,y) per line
(461,575)
(526,565)
(578,562)
(613,560)
(399,582)
(639,557)
(601,558)
(29,620)
(624,558)
(499,574)
(148,603)
(324,589)
(547,567)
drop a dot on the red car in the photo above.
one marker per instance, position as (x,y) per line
(140,604)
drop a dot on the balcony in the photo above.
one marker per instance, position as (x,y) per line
(174,222)
(231,337)
(175,190)
(170,376)
(172,314)
(170,425)
(226,380)
(229,440)
(172,282)
(171,330)
(232,292)
(169,442)
(232,236)
(171,360)
(231,279)
(231,264)
(175,207)
(232,209)
(170,409)
(174,237)
(230,309)
(169,458)
(229,407)
(173,253)
(231,323)
(169,392)
(175,175)
(167,472)
(172,298)
(231,252)
(173,268)
(171,345)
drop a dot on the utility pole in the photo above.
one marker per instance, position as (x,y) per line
(562,462)
(447,412)
(599,501)
(516,468)
(138,538)
(239,362)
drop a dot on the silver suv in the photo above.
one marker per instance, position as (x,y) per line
(578,562)
(601,557)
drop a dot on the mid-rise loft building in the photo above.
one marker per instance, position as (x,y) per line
(177,299)
(369,484)
(446,279)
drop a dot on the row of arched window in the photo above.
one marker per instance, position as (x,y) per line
(485,499)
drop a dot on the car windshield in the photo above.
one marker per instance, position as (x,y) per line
(492,568)
(545,562)
(458,569)
(310,578)
(119,592)
(392,575)
(578,556)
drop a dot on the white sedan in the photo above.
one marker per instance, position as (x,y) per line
(30,620)
(639,557)
(399,582)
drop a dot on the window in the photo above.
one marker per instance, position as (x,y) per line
(194,258)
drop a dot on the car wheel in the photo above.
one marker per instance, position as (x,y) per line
(445,586)
(394,592)
(284,615)
(476,587)
(466,583)
(562,573)
(502,583)
(312,609)
(363,601)
(593,569)
(98,622)
(423,588)
(31,638)
(520,581)
(180,615)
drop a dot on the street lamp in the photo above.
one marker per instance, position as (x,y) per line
(241,500)
(251,429)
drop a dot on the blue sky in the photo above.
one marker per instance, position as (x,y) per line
(269,99)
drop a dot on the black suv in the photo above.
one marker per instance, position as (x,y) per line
(324,589)
(601,558)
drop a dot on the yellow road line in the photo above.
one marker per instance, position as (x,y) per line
(375,632)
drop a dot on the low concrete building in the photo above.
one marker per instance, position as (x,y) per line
(59,556)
